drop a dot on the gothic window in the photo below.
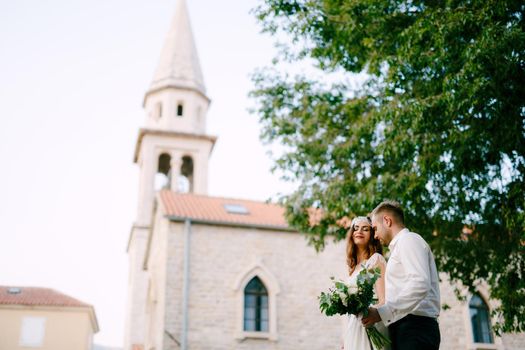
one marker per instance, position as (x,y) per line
(185,180)
(255,306)
(479,317)
(180,109)
(162,178)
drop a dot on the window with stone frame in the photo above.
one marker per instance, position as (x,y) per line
(255,306)
(480,320)
(180,109)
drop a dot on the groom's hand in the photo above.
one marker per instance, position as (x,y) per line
(372,318)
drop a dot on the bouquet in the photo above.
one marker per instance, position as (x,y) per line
(344,299)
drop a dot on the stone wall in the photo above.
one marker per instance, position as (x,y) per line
(220,257)
(137,288)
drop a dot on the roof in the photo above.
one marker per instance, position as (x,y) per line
(37,296)
(179,63)
(213,210)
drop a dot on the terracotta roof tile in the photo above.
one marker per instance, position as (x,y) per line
(35,296)
(212,209)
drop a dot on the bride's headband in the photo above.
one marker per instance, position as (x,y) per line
(360,218)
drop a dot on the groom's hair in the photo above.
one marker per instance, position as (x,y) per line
(393,208)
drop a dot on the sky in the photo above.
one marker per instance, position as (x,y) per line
(72,79)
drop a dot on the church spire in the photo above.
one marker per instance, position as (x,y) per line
(179,65)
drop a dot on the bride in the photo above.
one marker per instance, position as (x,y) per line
(362,249)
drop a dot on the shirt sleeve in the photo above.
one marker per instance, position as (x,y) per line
(413,255)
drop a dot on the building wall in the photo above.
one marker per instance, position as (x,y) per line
(173,288)
(156,265)
(221,257)
(152,147)
(137,288)
(65,329)
(514,341)
(195,107)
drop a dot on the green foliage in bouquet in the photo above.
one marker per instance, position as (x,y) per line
(343,299)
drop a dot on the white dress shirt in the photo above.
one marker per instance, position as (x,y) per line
(412,285)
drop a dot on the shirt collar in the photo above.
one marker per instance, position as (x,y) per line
(393,243)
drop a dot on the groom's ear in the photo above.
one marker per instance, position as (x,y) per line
(387,220)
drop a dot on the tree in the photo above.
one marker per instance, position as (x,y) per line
(439,125)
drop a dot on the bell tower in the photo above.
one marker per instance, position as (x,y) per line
(172,151)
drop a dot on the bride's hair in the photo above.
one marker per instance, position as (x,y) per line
(374,246)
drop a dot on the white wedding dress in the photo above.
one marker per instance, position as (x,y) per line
(355,337)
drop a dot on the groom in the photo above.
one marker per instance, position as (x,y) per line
(412,287)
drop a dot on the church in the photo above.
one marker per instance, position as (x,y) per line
(223,273)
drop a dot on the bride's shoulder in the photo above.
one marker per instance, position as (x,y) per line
(376,259)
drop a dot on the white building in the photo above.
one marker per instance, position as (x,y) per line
(222,273)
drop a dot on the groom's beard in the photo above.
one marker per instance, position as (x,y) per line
(387,237)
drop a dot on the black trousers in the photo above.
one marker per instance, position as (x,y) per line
(415,333)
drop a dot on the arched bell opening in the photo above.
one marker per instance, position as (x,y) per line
(185,181)
(163,175)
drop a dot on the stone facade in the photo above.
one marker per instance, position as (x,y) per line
(220,258)
(137,287)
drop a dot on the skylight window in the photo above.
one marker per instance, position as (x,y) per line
(14,290)
(236,209)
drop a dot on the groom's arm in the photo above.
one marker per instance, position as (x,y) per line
(413,256)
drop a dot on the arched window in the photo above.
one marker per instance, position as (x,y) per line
(479,317)
(255,306)
(163,175)
(185,181)
(180,109)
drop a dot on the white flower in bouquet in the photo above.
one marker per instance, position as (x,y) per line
(344,298)
(352,289)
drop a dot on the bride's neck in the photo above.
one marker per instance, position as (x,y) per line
(362,255)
